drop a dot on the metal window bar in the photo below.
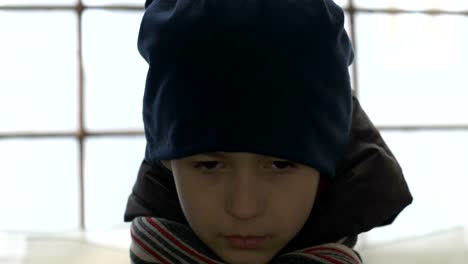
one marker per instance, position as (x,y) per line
(81,134)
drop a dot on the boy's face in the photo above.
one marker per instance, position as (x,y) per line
(244,194)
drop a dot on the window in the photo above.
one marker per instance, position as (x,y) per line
(70,112)
(70,108)
(410,71)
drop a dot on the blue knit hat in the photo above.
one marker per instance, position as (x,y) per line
(261,76)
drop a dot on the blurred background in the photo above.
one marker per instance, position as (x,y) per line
(71,131)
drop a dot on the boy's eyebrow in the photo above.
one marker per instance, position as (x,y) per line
(221,155)
(214,154)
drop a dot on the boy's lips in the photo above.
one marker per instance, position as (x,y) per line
(245,236)
(246,242)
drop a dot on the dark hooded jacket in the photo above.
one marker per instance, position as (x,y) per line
(369,191)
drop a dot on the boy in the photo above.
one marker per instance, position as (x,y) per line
(256,150)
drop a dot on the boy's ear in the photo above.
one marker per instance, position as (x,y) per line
(167,164)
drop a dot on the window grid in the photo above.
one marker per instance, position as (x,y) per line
(82,133)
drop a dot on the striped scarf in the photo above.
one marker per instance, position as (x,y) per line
(158,240)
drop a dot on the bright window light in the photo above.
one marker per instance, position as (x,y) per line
(39,71)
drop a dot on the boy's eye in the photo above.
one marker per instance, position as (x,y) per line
(283,164)
(206,164)
(209,165)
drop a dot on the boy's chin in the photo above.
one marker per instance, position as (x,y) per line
(236,256)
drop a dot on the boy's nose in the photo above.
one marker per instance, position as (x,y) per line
(244,198)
